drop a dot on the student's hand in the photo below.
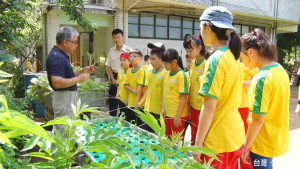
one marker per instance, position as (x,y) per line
(117,96)
(197,155)
(177,122)
(83,77)
(137,106)
(163,113)
(245,156)
(297,111)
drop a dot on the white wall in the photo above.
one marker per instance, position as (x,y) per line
(141,44)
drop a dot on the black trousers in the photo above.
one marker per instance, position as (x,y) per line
(112,101)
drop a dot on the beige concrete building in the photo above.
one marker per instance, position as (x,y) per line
(167,21)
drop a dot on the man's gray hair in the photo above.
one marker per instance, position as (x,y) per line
(66,33)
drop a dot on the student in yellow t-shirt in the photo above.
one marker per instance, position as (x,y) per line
(221,128)
(135,80)
(269,93)
(154,83)
(175,92)
(195,48)
(122,93)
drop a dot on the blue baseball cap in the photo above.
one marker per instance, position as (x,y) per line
(218,16)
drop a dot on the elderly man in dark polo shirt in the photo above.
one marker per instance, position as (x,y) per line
(61,76)
(113,67)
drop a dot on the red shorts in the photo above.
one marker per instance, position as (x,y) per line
(229,160)
(169,121)
(195,114)
(244,114)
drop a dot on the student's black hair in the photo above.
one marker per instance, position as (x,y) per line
(146,57)
(158,52)
(170,55)
(234,40)
(117,31)
(260,41)
(197,39)
(208,53)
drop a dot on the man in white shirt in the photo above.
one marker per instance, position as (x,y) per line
(113,66)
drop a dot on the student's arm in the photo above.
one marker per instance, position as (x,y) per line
(118,94)
(60,82)
(163,110)
(205,120)
(143,99)
(139,95)
(183,99)
(246,83)
(130,89)
(254,127)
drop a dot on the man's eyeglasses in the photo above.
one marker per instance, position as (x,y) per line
(76,43)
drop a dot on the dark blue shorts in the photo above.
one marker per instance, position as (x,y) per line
(260,162)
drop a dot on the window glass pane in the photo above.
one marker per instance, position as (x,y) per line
(197,31)
(196,24)
(162,20)
(174,33)
(260,28)
(133,30)
(245,29)
(187,23)
(175,21)
(161,32)
(147,19)
(238,29)
(187,31)
(133,18)
(147,31)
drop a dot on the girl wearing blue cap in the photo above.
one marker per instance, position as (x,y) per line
(220,125)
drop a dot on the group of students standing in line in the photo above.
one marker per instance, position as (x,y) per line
(216,94)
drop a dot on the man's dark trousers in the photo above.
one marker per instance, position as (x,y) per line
(112,101)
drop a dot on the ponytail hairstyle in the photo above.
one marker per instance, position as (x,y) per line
(170,55)
(197,39)
(229,35)
(260,41)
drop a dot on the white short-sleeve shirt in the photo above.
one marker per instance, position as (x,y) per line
(113,58)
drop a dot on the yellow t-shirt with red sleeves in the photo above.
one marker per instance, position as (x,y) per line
(175,85)
(248,74)
(122,90)
(196,72)
(133,79)
(269,95)
(155,82)
(223,80)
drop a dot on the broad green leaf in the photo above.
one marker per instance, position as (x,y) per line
(62,120)
(4,74)
(5,139)
(4,102)
(122,165)
(16,132)
(2,81)
(163,166)
(6,58)
(40,155)
(31,143)
(202,150)
(43,165)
